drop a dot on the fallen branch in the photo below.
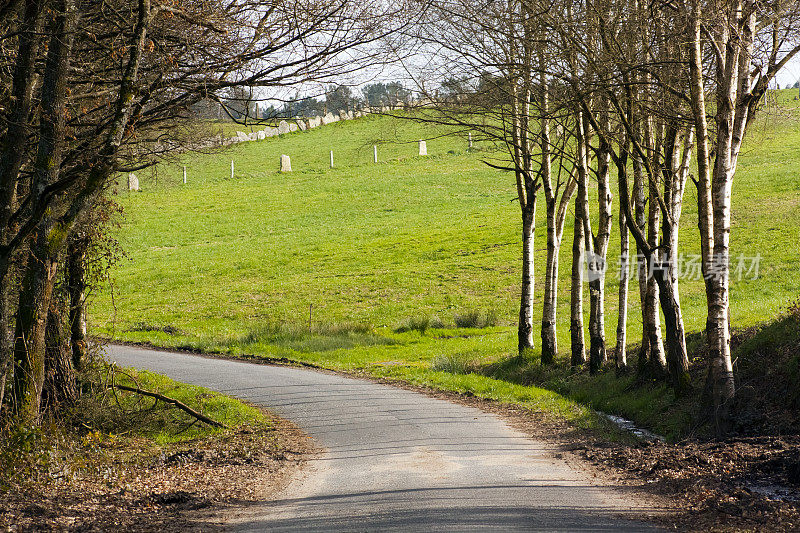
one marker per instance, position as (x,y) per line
(166,399)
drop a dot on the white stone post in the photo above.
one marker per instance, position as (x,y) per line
(133,182)
(375,153)
(286,163)
(423,148)
(232,168)
(184,174)
(331,158)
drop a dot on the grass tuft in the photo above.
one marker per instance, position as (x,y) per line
(474,318)
(458,363)
(147,327)
(420,323)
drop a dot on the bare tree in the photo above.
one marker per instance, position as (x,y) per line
(112,94)
(494,60)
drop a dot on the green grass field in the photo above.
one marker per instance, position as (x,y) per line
(344,267)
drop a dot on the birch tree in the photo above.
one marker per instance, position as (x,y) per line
(735,49)
(472,41)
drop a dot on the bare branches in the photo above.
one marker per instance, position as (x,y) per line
(171,401)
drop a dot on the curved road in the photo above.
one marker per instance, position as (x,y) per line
(398,460)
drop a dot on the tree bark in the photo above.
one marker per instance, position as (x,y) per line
(549,341)
(39,278)
(620,356)
(578,344)
(29,336)
(525,331)
(76,286)
(580,250)
(60,388)
(597,282)
(556,215)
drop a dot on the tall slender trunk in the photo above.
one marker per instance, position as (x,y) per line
(549,342)
(656,361)
(5,333)
(651,358)
(76,286)
(548,333)
(29,336)
(583,250)
(12,158)
(720,373)
(525,331)
(621,359)
(597,280)
(641,264)
(24,80)
(556,215)
(665,270)
(526,190)
(576,292)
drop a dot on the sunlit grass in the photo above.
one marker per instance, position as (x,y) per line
(409,249)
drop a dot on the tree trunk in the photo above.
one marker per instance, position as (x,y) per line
(585,253)
(720,369)
(576,293)
(555,231)
(525,331)
(665,271)
(60,388)
(5,333)
(549,342)
(39,278)
(621,359)
(29,336)
(718,325)
(641,263)
(76,285)
(652,360)
(656,358)
(597,275)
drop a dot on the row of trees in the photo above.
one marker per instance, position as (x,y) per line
(647,96)
(243,103)
(92,89)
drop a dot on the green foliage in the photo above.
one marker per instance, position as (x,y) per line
(23,453)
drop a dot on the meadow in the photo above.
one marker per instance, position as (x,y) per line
(408,268)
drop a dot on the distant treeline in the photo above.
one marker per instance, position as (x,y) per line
(337,98)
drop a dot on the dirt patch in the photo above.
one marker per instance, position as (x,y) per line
(191,486)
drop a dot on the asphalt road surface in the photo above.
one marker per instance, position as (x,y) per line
(400,461)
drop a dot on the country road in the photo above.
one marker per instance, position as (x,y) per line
(401,461)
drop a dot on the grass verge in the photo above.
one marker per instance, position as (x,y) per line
(120,461)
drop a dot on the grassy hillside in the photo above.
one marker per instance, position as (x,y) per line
(369,255)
